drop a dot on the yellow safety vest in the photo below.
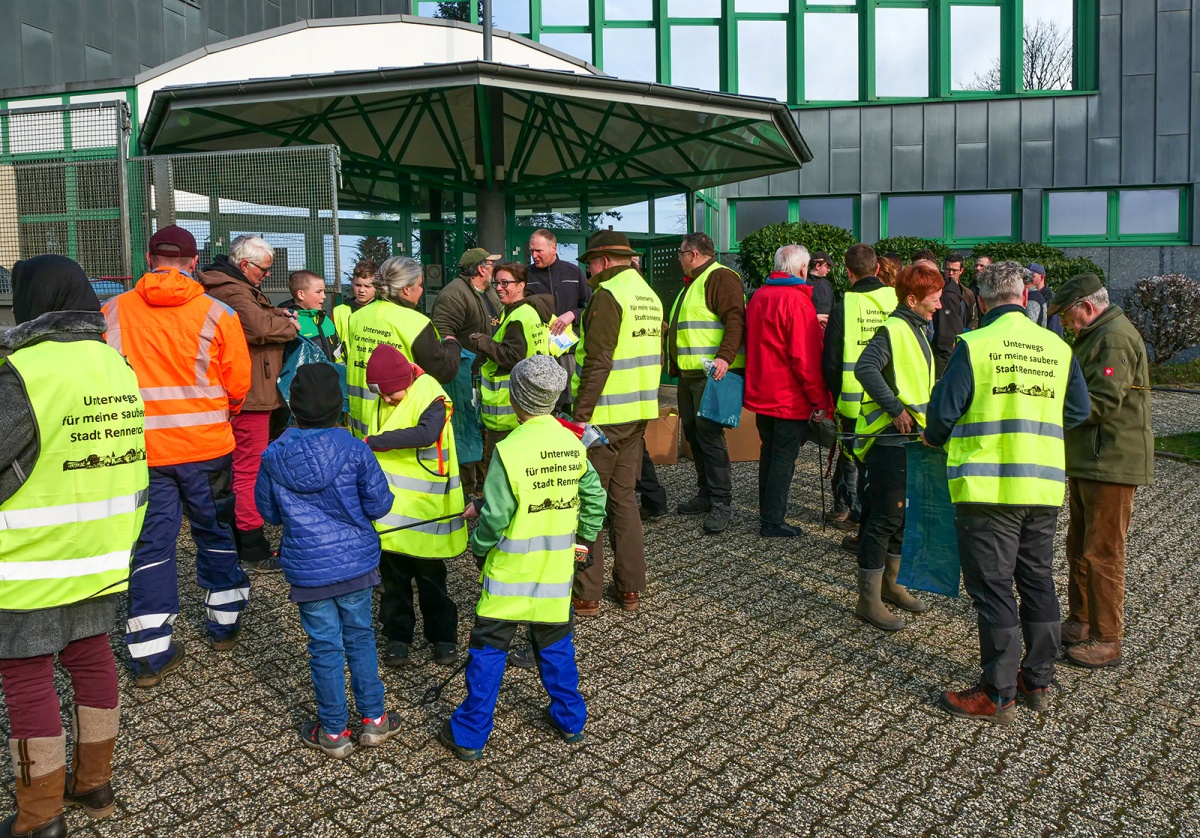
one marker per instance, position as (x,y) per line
(1007,448)
(379,322)
(527,576)
(698,331)
(341,321)
(865,313)
(914,382)
(498,414)
(630,393)
(68,533)
(425,482)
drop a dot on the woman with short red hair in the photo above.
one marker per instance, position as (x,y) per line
(896,373)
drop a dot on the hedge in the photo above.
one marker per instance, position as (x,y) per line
(757,256)
(1059,267)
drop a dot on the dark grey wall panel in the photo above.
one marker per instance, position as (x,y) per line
(1171,159)
(37,55)
(1173,73)
(908,125)
(1070,141)
(876,149)
(814,179)
(1037,163)
(1105,113)
(784,183)
(36,13)
(1195,145)
(98,64)
(217,15)
(1004,144)
(126,59)
(938,150)
(970,166)
(1031,214)
(98,22)
(845,172)
(1137,130)
(869,214)
(254,17)
(149,29)
(971,125)
(1138,28)
(1104,161)
(69,40)
(907,168)
(1037,119)
(845,128)
(272,16)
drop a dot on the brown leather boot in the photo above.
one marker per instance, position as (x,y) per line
(898,595)
(88,784)
(1094,654)
(1074,632)
(39,770)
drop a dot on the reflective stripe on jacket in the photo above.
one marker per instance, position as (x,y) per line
(527,576)
(68,532)
(498,414)
(865,313)
(1007,448)
(698,328)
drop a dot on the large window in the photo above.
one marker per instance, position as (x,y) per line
(1117,216)
(749,214)
(956,219)
(902,53)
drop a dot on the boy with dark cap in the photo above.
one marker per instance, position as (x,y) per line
(541,494)
(326,488)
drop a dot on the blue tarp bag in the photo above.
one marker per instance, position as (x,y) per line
(307,352)
(722,400)
(466,420)
(929,558)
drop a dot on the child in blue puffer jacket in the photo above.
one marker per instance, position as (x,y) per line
(326,488)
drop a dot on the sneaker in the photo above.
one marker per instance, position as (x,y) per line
(395,654)
(1035,698)
(569,738)
(446,737)
(267,565)
(718,519)
(522,658)
(445,654)
(152,679)
(977,703)
(695,506)
(377,732)
(337,747)
(225,644)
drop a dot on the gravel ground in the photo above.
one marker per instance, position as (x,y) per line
(1174,413)
(744,698)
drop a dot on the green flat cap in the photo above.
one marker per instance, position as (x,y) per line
(476,256)
(1073,290)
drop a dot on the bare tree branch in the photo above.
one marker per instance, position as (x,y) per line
(1048,60)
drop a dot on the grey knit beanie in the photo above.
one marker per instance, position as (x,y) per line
(536,383)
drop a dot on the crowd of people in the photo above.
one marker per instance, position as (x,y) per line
(164,403)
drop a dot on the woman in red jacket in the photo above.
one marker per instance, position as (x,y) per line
(784,387)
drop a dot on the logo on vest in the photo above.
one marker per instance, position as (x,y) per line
(548,504)
(1014,388)
(646,333)
(133,455)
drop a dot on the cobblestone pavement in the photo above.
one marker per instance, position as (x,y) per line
(744,698)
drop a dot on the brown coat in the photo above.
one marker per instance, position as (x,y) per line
(267,329)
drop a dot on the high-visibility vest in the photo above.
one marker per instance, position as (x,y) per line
(498,414)
(698,331)
(1007,448)
(68,532)
(527,576)
(341,321)
(379,322)
(631,392)
(913,373)
(425,482)
(865,313)
(170,350)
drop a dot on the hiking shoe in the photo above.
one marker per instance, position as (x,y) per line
(695,506)
(224,644)
(376,732)
(586,607)
(267,565)
(445,654)
(778,531)
(845,525)
(337,747)
(1074,632)
(1095,654)
(569,738)
(1035,698)
(977,703)
(834,517)
(851,543)
(446,737)
(395,654)
(718,519)
(151,679)
(522,658)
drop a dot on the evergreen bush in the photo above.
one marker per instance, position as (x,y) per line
(1059,267)
(757,257)
(906,246)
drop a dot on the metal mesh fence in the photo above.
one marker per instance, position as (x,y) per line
(61,189)
(288,196)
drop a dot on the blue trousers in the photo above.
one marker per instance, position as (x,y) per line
(554,651)
(340,631)
(204,491)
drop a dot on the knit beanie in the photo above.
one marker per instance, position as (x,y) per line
(316,396)
(536,383)
(388,369)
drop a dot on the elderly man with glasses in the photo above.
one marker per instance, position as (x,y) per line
(236,280)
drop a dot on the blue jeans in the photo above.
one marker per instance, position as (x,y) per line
(340,630)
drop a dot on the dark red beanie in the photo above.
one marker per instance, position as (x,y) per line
(388,369)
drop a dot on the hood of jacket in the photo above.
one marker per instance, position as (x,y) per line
(785,278)
(55,325)
(305,460)
(543,304)
(168,287)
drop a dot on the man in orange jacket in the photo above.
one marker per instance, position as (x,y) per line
(193,368)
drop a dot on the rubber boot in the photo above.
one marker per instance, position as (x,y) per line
(898,595)
(40,772)
(870,607)
(88,784)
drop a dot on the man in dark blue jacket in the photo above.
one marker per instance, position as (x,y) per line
(326,487)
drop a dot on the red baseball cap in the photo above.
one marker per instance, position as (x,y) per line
(172,241)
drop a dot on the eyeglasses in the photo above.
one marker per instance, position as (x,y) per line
(685,252)
(504,283)
(265,270)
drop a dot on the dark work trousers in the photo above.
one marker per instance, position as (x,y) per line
(618,465)
(707,439)
(998,544)
(396,612)
(883,505)
(781,441)
(847,477)
(654,496)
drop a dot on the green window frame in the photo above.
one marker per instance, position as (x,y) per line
(793,212)
(950,236)
(1113,235)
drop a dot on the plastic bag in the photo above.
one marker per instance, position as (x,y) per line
(307,352)
(466,419)
(929,558)
(722,400)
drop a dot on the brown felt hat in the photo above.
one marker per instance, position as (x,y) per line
(607,243)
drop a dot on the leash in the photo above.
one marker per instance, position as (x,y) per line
(435,692)
(420,523)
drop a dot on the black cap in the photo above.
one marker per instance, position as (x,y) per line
(316,396)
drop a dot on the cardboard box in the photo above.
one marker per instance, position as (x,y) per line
(743,441)
(662,437)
